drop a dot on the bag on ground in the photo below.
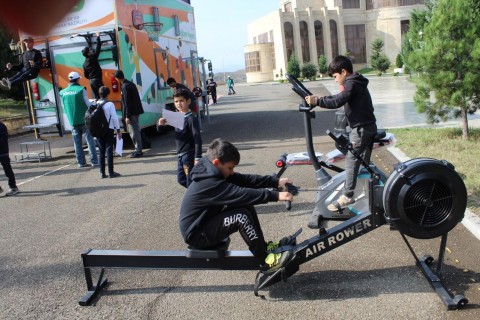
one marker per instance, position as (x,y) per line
(96,121)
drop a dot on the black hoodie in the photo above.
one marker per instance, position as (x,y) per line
(356,100)
(210,192)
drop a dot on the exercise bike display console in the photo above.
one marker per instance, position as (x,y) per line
(424,198)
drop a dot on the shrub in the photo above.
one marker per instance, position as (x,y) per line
(293,67)
(309,71)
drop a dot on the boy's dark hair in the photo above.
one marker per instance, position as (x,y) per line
(171,80)
(103,92)
(182,93)
(338,63)
(223,151)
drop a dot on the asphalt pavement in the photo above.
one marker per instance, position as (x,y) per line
(63,210)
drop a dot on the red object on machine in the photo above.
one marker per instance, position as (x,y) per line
(36,93)
(114,84)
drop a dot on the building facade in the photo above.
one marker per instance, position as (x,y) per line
(310,28)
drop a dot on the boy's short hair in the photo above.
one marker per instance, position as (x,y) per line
(103,92)
(223,151)
(182,93)
(338,63)
(171,80)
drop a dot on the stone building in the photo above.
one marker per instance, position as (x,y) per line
(311,28)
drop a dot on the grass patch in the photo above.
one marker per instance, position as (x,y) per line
(10,108)
(447,144)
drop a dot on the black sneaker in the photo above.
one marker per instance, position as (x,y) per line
(12,192)
(114,175)
(136,155)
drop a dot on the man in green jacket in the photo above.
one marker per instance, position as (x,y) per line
(75,104)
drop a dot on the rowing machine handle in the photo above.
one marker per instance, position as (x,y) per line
(294,191)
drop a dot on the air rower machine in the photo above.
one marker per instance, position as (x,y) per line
(423,198)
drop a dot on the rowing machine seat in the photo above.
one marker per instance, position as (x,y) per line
(215,252)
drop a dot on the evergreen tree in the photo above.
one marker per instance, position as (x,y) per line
(379,60)
(293,67)
(309,71)
(448,57)
(322,64)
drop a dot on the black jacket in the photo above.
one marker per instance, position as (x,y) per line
(356,100)
(131,101)
(3,140)
(210,192)
(189,138)
(91,67)
(28,55)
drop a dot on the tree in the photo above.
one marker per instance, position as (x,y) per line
(448,59)
(399,61)
(379,60)
(322,64)
(309,71)
(293,67)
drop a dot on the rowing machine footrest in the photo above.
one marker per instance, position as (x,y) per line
(215,252)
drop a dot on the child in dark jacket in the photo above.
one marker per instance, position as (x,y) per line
(188,139)
(5,161)
(220,202)
(358,106)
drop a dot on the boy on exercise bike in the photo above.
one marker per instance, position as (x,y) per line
(358,106)
(220,202)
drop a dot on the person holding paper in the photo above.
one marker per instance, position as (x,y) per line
(188,139)
(106,143)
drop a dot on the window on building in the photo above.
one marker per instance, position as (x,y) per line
(369,4)
(288,7)
(404,26)
(304,41)
(356,42)
(334,37)
(289,47)
(319,38)
(263,38)
(274,63)
(252,61)
(351,4)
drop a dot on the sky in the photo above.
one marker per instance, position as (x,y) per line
(221,27)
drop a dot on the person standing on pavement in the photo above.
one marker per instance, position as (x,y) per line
(188,139)
(106,143)
(91,67)
(132,109)
(5,161)
(28,69)
(230,85)
(212,90)
(75,104)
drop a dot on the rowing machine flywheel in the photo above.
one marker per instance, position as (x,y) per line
(424,198)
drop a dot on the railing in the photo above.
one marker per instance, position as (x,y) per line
(392,3)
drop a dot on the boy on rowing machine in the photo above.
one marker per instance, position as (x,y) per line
(220,202)
(358,106)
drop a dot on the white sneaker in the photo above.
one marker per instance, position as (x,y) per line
(341,203)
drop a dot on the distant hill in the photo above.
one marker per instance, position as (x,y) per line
(237,76)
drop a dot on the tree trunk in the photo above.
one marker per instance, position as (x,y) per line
(464,125)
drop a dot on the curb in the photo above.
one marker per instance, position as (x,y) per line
(471,221)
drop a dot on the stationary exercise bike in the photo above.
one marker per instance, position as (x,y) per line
(423,198)
(330,188)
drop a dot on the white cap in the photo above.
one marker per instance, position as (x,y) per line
(73,75)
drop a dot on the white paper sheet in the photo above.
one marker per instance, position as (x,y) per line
(174,119)
(119,147)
